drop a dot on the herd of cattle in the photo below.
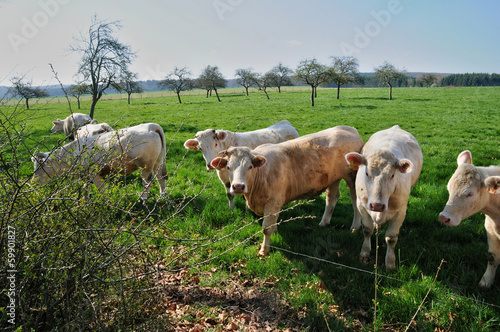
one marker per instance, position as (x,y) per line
(273,166)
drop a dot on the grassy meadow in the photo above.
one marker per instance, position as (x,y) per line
(194,263)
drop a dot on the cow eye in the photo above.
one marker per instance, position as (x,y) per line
(228,168)
(392,176)
(469,195)
(250,167)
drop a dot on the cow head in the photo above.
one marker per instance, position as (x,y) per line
(378,173)
(240,164)
(467,191)
(58,126)
(210,142)
(43,168)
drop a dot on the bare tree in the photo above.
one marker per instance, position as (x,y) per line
(77,90)
(246,78)
(264,81)
(211,79)
(428,79)
(312,73)
(281,76)
(178,81)
(344,70)
(389,75)
(127,82)
(103,57)
(25,90)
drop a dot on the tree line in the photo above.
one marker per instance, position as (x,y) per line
(474,79)
(105,64)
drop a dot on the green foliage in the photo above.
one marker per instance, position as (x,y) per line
(89,259)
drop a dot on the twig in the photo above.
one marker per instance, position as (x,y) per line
(425,297)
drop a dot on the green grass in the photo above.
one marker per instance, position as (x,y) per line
(445,121)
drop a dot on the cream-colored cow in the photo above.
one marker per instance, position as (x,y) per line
(129,149)
(472,189)
(70,124)
(388,167)
(272,175)
(92,129)
(211,142)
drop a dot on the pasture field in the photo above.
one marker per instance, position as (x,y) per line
(103,260)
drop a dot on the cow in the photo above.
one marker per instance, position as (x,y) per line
(92,129)
(70,124)
(272,175)
(129,149)
(211,142)
(472,189)
(388,167)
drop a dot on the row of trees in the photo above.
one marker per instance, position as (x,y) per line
(105,63)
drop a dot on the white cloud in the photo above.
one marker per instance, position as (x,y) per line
(294,43)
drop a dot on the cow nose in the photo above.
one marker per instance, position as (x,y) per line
(444,219)
(209,166)
(238,188)
(377,207)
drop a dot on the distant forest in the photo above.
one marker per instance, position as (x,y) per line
(471,80)
(412,80)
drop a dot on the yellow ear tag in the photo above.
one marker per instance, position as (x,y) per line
(353,166)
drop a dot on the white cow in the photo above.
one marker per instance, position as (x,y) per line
(92,129)
(272,175)
(388,166)
(129,149)
(211,142)
(70,124)
(471,191)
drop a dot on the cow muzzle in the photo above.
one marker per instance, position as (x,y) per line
(377,207)
(447,220)
(238,188)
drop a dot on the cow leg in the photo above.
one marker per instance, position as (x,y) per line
(224,178)
(332,196)
(356,221)
(98,181)
(391,238)
(364,255)
(493,254)
(268,228)
(162,176)
(147,179)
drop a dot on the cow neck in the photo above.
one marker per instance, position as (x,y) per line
(255,187)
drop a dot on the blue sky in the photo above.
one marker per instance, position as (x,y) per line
(425,36)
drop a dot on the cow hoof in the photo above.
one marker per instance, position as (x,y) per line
(485,284)
(321,224)
(262,253)
(364,259)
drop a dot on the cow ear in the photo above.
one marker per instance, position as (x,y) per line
(493,184)
(258,161)
(355,160)
(56,122)
(404,166)
(218,163)
(221,135)
(465,157)
(191,144)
